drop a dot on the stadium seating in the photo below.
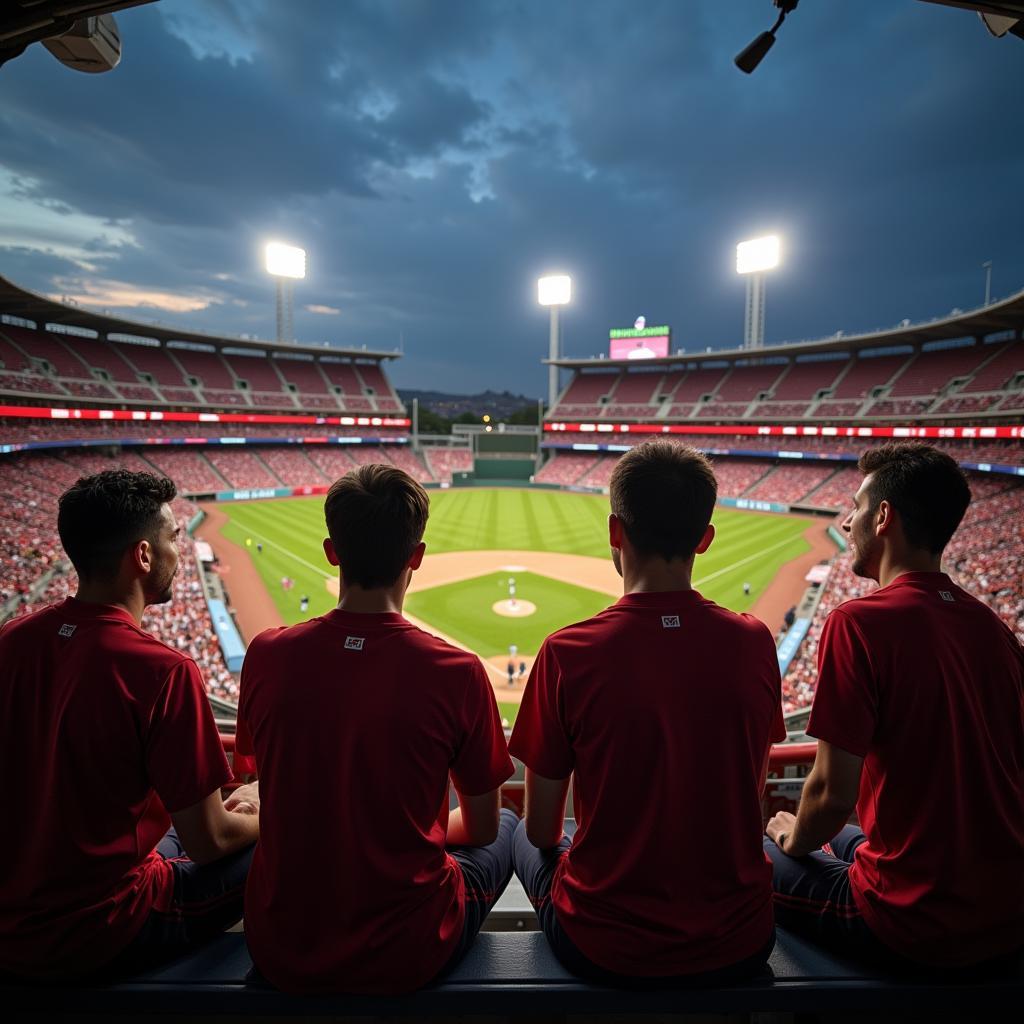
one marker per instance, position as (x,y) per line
(293,466)
(442,462)
(566,468)
(789,482)
(407,460)
(243,469)
(188,468)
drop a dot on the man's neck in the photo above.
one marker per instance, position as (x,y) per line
(94,592)
(375,601)
(656,576)
(895,565)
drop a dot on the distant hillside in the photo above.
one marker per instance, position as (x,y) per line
(491,403)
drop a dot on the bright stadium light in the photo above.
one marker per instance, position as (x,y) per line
(285,260)
(286,264)
(553,291)
(757,254)
(753,258)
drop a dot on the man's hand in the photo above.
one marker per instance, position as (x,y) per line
(245,799)
(780,828)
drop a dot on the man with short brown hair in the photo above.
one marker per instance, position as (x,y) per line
(362,880)
(919,716)
(661,709)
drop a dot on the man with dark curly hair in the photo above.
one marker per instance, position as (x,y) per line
(108,732)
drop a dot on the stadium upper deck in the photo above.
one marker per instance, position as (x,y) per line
(55,351)
(967,366)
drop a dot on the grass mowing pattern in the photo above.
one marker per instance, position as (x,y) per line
(463,610)
(749,546)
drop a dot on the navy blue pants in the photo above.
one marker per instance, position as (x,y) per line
(207,900)
(486,871)
(536,870)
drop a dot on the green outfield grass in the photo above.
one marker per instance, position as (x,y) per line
(463,610)
(749,546)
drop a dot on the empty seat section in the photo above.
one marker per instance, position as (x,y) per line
(100,355)
(11,357)
(408,460)
(370,455)
(343,376)
(43,345)
(866,374)
(208,367)
(257,371)
(637,388)
(931,371)
(745,383)
(805,380)
(583,394)
(306,377)
(1000,370)
(157,362)
(373,377)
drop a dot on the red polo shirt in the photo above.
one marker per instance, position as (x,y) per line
(101,727)
(663,707)
(927,685)
(356,722)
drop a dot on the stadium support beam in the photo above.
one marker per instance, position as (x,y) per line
(553,291)
(753,322)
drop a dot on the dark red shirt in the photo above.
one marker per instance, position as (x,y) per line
(927,685)
(356,722)
(663,707)
(101,727)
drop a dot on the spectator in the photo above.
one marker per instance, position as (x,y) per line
(916,672)
(93,881)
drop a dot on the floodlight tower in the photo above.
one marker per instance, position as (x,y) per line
(753,258)
(285,263)
(553,291)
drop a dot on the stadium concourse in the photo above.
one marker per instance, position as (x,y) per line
(230,418)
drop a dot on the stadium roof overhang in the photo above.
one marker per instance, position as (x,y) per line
(20,302)
(1004,315)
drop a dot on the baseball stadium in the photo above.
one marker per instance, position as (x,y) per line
(254,432)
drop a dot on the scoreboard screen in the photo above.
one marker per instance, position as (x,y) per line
(639,342)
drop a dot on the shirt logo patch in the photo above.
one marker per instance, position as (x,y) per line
(354,643)
(670,621)
(67,629)
(946,595)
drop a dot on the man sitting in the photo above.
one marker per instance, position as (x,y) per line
(662,709)
(918,714)
(102,727)
(357,719)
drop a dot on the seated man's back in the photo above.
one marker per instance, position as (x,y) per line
(667,705)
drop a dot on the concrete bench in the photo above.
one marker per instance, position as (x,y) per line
(515,974)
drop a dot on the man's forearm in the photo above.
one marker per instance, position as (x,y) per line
(819,817)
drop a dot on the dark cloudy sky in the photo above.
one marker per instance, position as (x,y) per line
(435,156)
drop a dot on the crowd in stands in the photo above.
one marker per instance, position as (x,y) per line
(443,462)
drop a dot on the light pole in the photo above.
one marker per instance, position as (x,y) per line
(285,263)
(987,267)
(753,258)
(553,291)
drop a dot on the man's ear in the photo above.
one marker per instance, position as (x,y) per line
(705,541)
(417,556)
(141,556)
(332,555)
(885,517)
(615,531)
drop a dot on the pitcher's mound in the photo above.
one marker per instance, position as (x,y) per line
(516,609)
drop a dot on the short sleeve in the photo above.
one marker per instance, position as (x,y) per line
(845,708)
(245,757)
(185,759)
(540,739)
(481,763)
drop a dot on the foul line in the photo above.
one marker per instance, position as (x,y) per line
(743,561)
(290,554)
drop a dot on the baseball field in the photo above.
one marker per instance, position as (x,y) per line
(504,567)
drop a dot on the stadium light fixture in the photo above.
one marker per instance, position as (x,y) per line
(753,258)
(286,264)
(553,291)
(285,260)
